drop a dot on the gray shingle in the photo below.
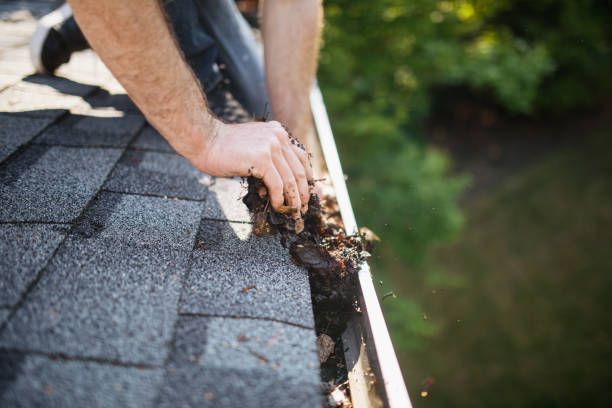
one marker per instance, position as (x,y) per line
(142,221)
(150,139)
(241,363)
(225,202)
(25,249)
(40,381)
(43,96)
(102,299)
(16,131)
(103,99)
(248,284)
(70,136)
(93,131)
(128,124)
(232,238)
(112,289)
(3,315)
(52,84)
(52,183)
(160,174)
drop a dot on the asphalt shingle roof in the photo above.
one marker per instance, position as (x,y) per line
(161,174)
(25,249)
(83,130)
(52,183)
(41,381)
(16,131)
(255,359)
(127,277)
(150,139)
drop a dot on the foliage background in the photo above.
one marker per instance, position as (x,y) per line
(382,64)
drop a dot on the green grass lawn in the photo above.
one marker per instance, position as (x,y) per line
(518,312)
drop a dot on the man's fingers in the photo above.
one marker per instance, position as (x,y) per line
(299,173)
(292,164)
(274,182)
(290,188)
(302,155)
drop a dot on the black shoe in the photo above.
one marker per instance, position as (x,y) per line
(56,37)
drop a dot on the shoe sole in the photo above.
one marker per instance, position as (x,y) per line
(40,35)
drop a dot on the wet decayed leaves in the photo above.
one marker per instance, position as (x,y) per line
(319,243)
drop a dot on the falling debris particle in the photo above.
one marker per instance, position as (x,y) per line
(209,396)
(242,338)
(262,360)
(249,288)
(369,236)
(325,346)
(389,294)
(426,386)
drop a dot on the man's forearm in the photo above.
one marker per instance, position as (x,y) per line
(291,34)
(134,41)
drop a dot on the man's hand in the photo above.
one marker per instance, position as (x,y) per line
(263,150)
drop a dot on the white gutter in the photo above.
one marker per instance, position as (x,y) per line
(388,366)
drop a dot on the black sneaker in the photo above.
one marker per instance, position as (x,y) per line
(56,37)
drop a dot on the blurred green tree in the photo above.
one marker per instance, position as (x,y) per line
(379,63)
